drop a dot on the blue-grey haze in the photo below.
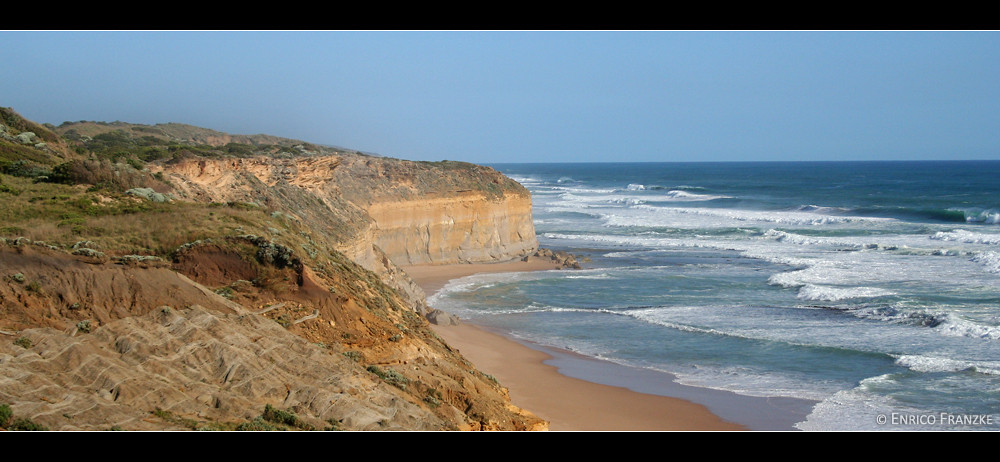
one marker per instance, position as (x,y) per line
(529,96)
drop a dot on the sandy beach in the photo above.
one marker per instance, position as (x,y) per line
(569,404)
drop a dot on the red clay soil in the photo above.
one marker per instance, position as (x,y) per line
(55,289)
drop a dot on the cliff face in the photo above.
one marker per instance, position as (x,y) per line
(466,227)
(404,208)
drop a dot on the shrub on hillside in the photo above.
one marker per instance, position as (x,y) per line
(104,173)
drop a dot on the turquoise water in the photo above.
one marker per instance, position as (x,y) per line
(870,287)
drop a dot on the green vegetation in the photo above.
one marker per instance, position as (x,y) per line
(226,292)
(7,189)
(119,224)
(472,177)
(168,416)
(105,175)
(278,416)
(334,426)
(138,145)
(274,419)
(84,326)
(390,376)
(8,422)
(26,425)
(23,342)
(24,168)
(14,120)
(258,424)
(433,397)
(5,415)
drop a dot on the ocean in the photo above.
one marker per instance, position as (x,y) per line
(869,289)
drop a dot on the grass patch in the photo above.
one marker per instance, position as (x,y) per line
(63,214)
(8,422)
(258,424)
(176,420)
(433,398)
(334,426)
(390,376)
(26,425)
(278,416)
(274,419)
(226,292)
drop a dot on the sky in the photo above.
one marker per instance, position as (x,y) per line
(534,96)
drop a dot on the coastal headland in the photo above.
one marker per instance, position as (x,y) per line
(170,277)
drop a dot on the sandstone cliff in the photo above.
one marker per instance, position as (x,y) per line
(415,212)
(259,280)
(465,227)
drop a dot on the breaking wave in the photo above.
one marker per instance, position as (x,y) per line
(968,237)
(815,292)
(924,363)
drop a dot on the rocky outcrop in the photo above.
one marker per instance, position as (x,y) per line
(561,259)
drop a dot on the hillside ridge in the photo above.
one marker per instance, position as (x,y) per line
(139,266)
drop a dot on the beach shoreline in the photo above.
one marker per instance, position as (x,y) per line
(578,393)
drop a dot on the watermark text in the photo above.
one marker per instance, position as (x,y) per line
(941,418)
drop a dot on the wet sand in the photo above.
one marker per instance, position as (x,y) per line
(532,374)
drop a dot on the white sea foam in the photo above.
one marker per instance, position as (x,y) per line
(858,409)
(952,324)
(687,196)
(526,180)
(654,216)
(636,187)
(590,276)
(991,260)
(927,363)
(748,382)
(582,190)
(833,294)
(630,254)
(982,216)
(591,199)
(626,200)
(476,282)
(783,236)
(968,237)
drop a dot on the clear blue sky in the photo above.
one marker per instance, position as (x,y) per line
(534,96)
